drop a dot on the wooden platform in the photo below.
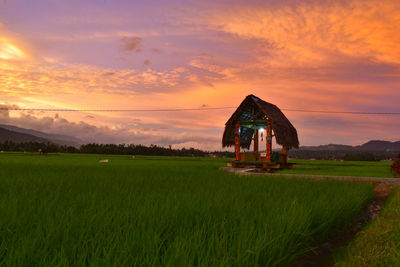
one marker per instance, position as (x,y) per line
(266,166)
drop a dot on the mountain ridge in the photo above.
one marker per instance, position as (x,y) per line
(7,135)
(45,137)
(372,145)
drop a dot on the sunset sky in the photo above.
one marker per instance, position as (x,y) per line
(103,54)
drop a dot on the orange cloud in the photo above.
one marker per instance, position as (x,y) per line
(10,51)
(315,33)
(42,79)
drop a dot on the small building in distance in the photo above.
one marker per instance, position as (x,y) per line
(255,117)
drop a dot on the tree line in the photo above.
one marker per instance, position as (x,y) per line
(154,150)
(356,155)
(120,149)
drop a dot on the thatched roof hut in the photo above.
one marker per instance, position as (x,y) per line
(252,109)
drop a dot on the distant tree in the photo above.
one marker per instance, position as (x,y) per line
(121,149)
(360,157)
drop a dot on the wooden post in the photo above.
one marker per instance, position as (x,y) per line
(237,141)
(284,154)
(268,139)
(256,144)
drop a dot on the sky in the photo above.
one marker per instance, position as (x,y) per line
(120,54)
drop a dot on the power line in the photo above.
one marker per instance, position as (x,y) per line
(343,112)
(114,110)
(193,109)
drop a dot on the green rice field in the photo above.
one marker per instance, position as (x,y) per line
(341,168)
(379,243)
(72,210)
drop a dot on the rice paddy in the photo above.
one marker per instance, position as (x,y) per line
(63,210)
(379,243)
(341,168)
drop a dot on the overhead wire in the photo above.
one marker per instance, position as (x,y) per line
(191,109)
(115,110)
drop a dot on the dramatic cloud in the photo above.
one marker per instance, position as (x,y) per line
(133,133)
(131,43)
(322,55)
(47,78)
(315,33)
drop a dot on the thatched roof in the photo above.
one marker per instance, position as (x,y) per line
(285,133)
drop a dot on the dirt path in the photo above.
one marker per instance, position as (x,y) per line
(252,171)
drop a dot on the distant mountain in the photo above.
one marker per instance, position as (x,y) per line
(52,138)
(372,150)
(378,145)
(330,147)
(7,135)
(374,145)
